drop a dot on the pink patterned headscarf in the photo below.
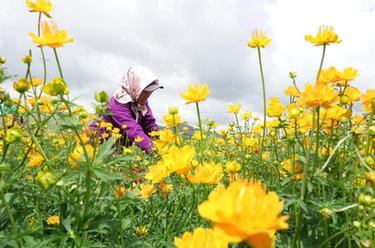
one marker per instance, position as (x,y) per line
(133,83)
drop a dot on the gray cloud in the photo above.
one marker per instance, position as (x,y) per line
(189,42)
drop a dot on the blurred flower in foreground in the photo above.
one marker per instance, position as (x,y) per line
(42,6)
(52,36)
(196,93)
(258,40)
(325,36)
(245,211)
(202,238)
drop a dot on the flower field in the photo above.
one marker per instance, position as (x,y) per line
(300,175)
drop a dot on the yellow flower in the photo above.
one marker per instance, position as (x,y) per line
(245,211)
(318,95)
(35,160)
(325,36)
(147,190)
(196,93)
(35,82)
(141,231)
(53,220)
(330,75)
(353,94)
(368,100)
(156,173)
(232,167)
(258,40)
(55,87)
(52,36)
(171,120)
(275,108)
(292,91)
(120,191)
(197,135)
(246,116)
(21,86)
(296,169)
(165,188)
(293,111)
(348,74)
(138,139)
(78,155)
(234,108)
(42,6)
(200,237)
(179,159)
(208,173)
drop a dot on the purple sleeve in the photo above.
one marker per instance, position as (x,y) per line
(148,121)
(122,115)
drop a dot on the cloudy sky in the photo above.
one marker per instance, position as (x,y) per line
(194,41)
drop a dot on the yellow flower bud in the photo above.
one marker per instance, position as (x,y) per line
(102,97)
(27,59)
(21,86)
(55,87)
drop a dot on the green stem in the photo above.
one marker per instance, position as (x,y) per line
(11,218)
(321,62)
(264,103)
(58,63)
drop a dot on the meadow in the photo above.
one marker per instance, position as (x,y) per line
(301,174)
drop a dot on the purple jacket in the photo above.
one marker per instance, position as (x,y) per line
(122,114)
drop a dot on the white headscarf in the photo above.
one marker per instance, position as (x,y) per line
(132,84)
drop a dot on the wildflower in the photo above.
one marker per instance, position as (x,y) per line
(173,110)
(165,188)
(138,139)
(353,94)
(234,108)
(147,190)
(42,6)
(53,220)
(208,173)
(156,173)
(55,87)
(14,135)
(370,177)
(21,86)
(292,170)
(171,120)
(232,167)
(102,97)
(209,238)
(78,155)
(27,59)
(275,108)
(330,75)
(46,177)
(368,100)
(318,95)
(35,160)
(258,40)
(179,159)
(196,93)
(246,116)
(185,129)
(197,135)
(245,211)
(35,82)
(141,231)
(348,74)
(292,91)
(325,36)
(52,36)
(120,191)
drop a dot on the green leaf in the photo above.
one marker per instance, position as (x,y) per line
(106,176)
